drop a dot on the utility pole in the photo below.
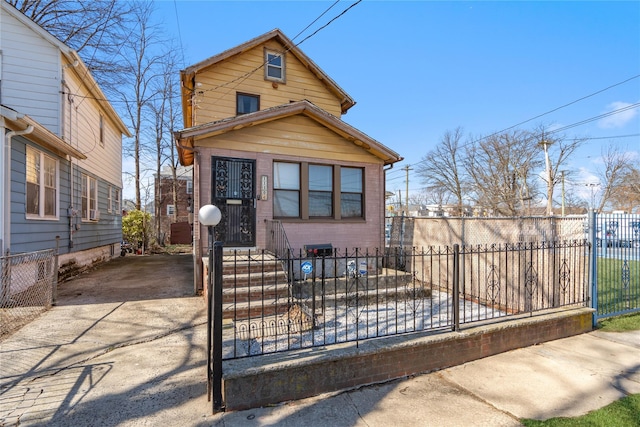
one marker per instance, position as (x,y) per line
(406,193)
(562,174)
(545,145)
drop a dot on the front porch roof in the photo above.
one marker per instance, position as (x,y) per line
(185,137)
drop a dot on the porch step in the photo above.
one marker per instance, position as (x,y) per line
(254,284)
(254,294)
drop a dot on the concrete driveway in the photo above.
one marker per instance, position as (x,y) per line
(125,344)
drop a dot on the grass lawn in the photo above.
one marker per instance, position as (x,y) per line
(618,285)
(622,413)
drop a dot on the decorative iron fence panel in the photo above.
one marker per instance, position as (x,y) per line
(275,305)
(616,264)
(27,287)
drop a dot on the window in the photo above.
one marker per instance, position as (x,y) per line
(171,210)
(89,199)
(189,187)
(320,191)
(101,131)
(286,190)
(113,203)
(308,191)
(351,186)
(274,66)
(42,185)
(246,103)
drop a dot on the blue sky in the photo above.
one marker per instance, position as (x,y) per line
(419,68)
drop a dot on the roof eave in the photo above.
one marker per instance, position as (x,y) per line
(347,131)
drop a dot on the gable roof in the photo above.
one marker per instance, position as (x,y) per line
(184,138)
(186,75)
(73,58)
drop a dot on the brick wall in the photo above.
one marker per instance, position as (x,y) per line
(254,382)
(165,198)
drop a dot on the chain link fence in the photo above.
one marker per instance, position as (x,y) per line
(28,287)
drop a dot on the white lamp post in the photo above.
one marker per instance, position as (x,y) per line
(210,216)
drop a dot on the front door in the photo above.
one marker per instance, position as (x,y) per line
(233,193)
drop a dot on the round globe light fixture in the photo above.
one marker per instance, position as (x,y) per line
(209,215)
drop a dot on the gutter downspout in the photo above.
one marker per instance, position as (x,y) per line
(6,243)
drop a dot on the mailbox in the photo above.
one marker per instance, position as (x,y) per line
(322,250)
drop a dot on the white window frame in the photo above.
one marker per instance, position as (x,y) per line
(41,174)
(101,130)
(268,53)
(115,201)
(189,187)
(171,210)
(91,203)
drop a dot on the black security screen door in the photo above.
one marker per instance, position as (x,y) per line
(233,193)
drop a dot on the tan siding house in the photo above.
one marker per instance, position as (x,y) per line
(264,133)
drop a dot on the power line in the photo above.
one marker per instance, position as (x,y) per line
(585,121)
(175,7)
(243,77)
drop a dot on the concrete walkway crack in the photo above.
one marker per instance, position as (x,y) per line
(464,390)
(356,408)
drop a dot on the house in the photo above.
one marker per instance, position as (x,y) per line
(264,133)
(61,149)
(174,204)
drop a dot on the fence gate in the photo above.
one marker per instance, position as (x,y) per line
(615,265)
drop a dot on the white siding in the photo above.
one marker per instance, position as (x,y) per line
(30,73)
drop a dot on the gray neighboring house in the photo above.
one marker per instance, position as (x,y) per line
(61,149)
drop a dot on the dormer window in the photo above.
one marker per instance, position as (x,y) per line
(274,66)
(247,103)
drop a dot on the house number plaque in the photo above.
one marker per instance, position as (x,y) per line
(263,187)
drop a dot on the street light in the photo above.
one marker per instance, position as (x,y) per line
(210,216)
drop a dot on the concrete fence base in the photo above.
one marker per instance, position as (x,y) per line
(269,379)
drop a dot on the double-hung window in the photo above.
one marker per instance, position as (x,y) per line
(320,191)
(274,68)
(286,190)
(42,185)
(351,194)
(113,203)
(89,198)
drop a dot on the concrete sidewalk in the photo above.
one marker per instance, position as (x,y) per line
(133,354)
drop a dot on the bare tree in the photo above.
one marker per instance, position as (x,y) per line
(557,150)
(141,57)
(95,29)
(442,169)
(163,109)
(616,165)
(628,197)
(502,167)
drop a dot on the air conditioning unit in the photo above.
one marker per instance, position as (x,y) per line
(94,214)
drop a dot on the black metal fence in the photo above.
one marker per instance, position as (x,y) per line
(278,304)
